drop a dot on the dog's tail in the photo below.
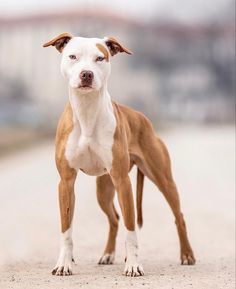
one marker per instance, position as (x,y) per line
(139,197)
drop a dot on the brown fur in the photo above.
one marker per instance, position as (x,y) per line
(60,41)
(105,195)
(104,51)
(135,142)
(139,197)
(115,46)
(67,174)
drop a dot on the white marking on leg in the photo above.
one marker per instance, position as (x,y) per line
(64,263)
(107,258)
(132,266)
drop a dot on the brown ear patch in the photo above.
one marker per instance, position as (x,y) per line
(115,46)
(60,41)
(104,51)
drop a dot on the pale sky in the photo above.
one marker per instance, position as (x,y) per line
(177,10)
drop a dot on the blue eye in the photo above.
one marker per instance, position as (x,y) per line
(99,58)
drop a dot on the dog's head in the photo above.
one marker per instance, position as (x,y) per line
(86,61)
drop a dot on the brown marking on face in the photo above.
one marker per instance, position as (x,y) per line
(103,50)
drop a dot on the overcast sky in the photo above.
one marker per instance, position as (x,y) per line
(182,10)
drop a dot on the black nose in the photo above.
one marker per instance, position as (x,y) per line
(86,75)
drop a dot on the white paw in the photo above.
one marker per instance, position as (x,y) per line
(133,269)
(132,266)
(64,263)
(107,259)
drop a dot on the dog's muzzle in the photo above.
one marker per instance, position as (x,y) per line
(86,77)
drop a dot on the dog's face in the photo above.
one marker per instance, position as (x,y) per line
(86,61)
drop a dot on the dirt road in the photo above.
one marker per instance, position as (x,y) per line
(203,166)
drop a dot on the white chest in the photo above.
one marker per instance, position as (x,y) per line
(89,146)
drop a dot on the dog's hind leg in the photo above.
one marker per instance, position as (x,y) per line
(157,163)
(105,195)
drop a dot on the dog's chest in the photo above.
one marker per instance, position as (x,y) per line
(92,154)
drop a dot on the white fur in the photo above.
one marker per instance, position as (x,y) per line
(89,145)
(64,263)
(86,52)
(132,265)
(107,258)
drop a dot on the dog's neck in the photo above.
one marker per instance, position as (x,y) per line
(90,109)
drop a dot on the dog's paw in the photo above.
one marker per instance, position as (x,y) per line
(64,264)
(62,271)
(187,258)
(133,270)
(107,259)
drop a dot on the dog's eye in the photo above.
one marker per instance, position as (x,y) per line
(73,57)
(99,58)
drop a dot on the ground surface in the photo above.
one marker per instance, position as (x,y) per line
(203,166)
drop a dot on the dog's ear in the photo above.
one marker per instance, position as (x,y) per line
(115,47)
(60,41)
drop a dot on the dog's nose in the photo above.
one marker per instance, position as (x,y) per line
(86,75)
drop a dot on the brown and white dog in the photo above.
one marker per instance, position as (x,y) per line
(105,139)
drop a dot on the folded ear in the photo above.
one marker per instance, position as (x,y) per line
(114,46)
(60,41)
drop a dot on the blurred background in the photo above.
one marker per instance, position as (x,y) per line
(181,75)
(183,60)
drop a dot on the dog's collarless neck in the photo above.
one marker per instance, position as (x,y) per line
(90,109)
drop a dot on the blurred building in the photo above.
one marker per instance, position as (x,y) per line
(177,72)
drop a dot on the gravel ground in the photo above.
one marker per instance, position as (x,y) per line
(203,166)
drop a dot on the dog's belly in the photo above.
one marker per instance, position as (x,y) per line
(89,155)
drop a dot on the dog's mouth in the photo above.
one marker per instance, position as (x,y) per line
(85,87)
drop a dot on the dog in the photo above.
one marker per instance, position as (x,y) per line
(105,139)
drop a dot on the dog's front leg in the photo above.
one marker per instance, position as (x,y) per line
(66,201)
(123,186)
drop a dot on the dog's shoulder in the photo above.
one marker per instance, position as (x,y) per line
(133,123)
(134,118)
(65,125)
